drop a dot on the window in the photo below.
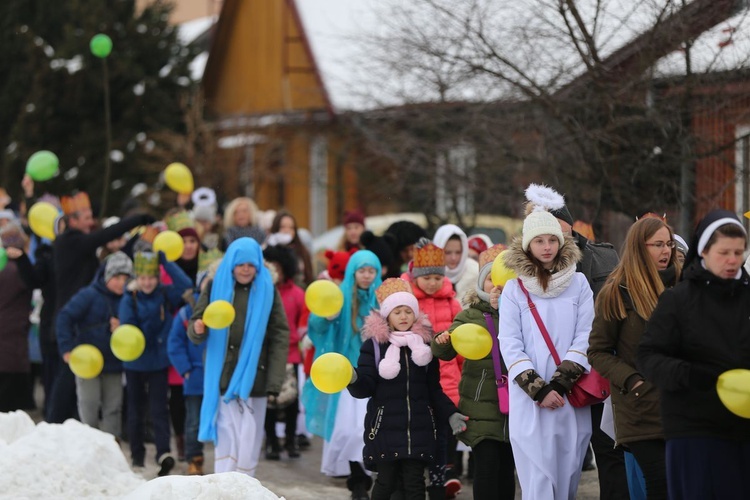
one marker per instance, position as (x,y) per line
(318,185)
(455,180)
(742,172)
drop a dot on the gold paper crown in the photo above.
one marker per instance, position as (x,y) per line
(72,204)
(206,258)
(146,264)
(391,286)
(178,221)
(429,255)
(489,255)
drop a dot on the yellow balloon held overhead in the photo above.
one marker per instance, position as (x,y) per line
(42,217)
(471,341)
(179,178)
(500,274)
(331,372)
(86,361)
(733,387)
(323,298)
(170,243)
(127,342)
(219,314)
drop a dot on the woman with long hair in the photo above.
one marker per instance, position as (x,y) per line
(648,266)
(548,435)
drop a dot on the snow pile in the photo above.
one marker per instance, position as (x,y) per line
(70,460)
(225,486)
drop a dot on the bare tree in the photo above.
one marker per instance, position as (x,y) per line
(561,91)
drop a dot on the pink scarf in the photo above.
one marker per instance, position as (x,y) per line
(421,354)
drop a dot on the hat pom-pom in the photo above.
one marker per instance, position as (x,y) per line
(544,198)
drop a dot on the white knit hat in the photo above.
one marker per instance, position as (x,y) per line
(540,221)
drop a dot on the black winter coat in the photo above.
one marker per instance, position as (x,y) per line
(403,413)
(699,329)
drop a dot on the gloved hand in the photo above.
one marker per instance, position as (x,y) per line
(354,377)
(457,423)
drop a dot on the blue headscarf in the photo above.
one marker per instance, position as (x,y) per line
(260,301)
(339,336)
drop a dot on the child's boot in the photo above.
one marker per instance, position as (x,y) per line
(195,467)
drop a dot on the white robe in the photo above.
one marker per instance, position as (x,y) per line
(548,445)
(347,440)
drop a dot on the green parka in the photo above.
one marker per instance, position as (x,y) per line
(477,389)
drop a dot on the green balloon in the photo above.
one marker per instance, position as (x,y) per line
(3,258)
(101,45)
(42,165)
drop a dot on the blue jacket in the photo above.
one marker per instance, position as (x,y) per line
(85,320)
(153,313)
(185,356)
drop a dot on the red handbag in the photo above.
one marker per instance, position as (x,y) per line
(590,388)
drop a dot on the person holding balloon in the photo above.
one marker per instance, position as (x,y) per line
(696,351)
(241,318)
(398,374)
(338,417)
(90,317)
(487,428)
(151,307)
(549,436)
(437,299)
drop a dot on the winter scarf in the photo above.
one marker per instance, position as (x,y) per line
(260,301)
(417,340)
(562,274)
(442,235)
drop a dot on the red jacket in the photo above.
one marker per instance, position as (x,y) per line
(293,298)
(441,307)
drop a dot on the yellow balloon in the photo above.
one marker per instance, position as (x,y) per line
(323,298)
(500,274)
(179,178)
(42,217)
(127,342)
(219,314)
(471,341)
(170,243)
(86,361)
(331,372)
(733,387)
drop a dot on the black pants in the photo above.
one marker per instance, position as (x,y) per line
(290,424)
(13,391)
(358,477)
(63,403)
(493,470)
(407,474)
(610,461)
(651,457)
(177,409)
(708,468)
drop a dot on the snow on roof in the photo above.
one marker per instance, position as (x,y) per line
(724,47)
(188,31)
(529,34)
(198,66)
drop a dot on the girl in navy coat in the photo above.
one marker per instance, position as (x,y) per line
(151,308)
(90,317)
(397,372)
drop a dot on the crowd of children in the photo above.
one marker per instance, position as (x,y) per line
(414,403)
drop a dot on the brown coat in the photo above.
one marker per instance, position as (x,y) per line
(612,350)
(15,307)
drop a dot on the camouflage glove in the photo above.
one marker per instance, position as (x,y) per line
(567,374)
(530,382)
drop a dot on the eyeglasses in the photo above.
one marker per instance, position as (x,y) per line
(661,244)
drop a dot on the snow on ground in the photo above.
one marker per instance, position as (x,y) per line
(72,460)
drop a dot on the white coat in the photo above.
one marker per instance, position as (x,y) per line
(548,445)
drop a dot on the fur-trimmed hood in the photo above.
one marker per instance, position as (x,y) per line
(517,260)
(377,327)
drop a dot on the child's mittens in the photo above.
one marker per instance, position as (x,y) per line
(457,423)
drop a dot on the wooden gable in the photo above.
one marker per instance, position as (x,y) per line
(261,62)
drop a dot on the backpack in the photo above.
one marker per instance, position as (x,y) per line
(599,259)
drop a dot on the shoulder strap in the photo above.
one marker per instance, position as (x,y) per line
(540,324)
(495,346)
(376,351)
